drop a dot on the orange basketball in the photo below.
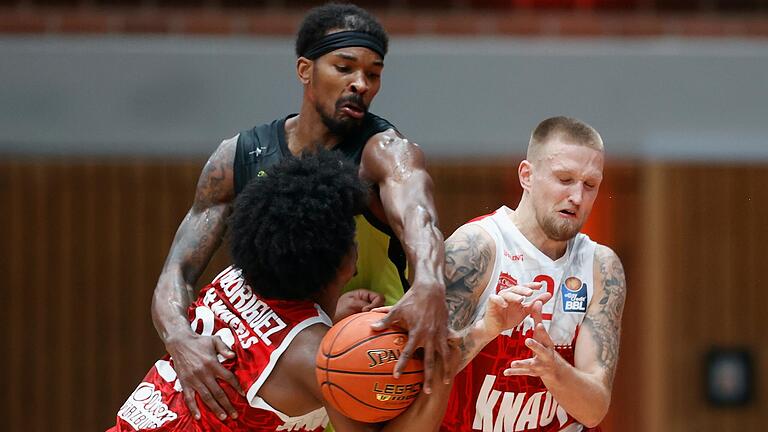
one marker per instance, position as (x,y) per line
(354,370)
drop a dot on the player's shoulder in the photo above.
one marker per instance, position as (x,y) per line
(388,149)
(299,359)
(604,255)
(377,124)
(472,229)
(379,130)
(608,269)
(260,135)
(216,182)
(260,128)
(226,149)
(471,237)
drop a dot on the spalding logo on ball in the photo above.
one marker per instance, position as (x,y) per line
(354,370)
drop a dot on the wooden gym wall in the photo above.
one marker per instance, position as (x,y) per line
(84,241)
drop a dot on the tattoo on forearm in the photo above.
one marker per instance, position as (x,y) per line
(467,346)
(466,262)
(606,323)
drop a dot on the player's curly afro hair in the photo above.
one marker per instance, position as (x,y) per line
(320,20)
(290,229)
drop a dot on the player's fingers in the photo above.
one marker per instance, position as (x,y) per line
(538,349)
(357,304)
(541,336)
(533,285)
(374,301)
(519,371)
(536,312)
(497,300)
(528,363)
(429,366)
(542,298)
(211,402)
(512,298)
(444,352)
(189,399)
(220,396)
(519,290)
(390,319)
(382,309)
(406,354)
(227,375)
(222,348)
(365,295)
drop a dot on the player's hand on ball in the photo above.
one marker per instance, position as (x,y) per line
(197,367)
(359,300)
(545,360)
(421,311)
(510,306)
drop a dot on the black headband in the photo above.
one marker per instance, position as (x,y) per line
(344,39)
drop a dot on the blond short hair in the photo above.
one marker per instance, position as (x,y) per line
(571,129)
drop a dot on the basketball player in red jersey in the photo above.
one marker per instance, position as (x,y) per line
(340,52)
(293,249)
(554,371)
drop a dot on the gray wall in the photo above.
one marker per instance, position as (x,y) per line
(654,98)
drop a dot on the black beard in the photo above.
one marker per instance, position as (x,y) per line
(342,128)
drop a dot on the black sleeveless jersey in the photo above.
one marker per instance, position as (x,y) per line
(260,147)
(381,261)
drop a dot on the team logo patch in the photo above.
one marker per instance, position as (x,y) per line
(505,281)
(574,294)
(145,408)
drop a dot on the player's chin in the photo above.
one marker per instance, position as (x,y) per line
(565,230)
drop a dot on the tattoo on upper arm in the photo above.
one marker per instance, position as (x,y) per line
(216,184)
(467,260)
(605,323)
(201,232)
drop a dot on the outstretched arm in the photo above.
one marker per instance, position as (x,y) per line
(397,166)
(197,238)
(583,390)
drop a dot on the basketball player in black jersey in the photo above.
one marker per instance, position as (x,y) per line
(340,51)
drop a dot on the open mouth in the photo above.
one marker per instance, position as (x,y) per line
(353,110)
(567,213)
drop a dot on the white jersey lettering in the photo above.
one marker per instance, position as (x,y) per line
(508,412)
(486,400)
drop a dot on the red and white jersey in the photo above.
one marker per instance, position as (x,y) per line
(258,331)
(482,397)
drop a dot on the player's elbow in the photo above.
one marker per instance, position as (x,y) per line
(595,416)
(592,423)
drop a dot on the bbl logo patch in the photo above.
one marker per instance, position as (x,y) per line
(574,294)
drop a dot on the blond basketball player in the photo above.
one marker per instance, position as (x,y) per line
(554,371)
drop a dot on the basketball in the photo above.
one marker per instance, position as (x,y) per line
(354,369)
